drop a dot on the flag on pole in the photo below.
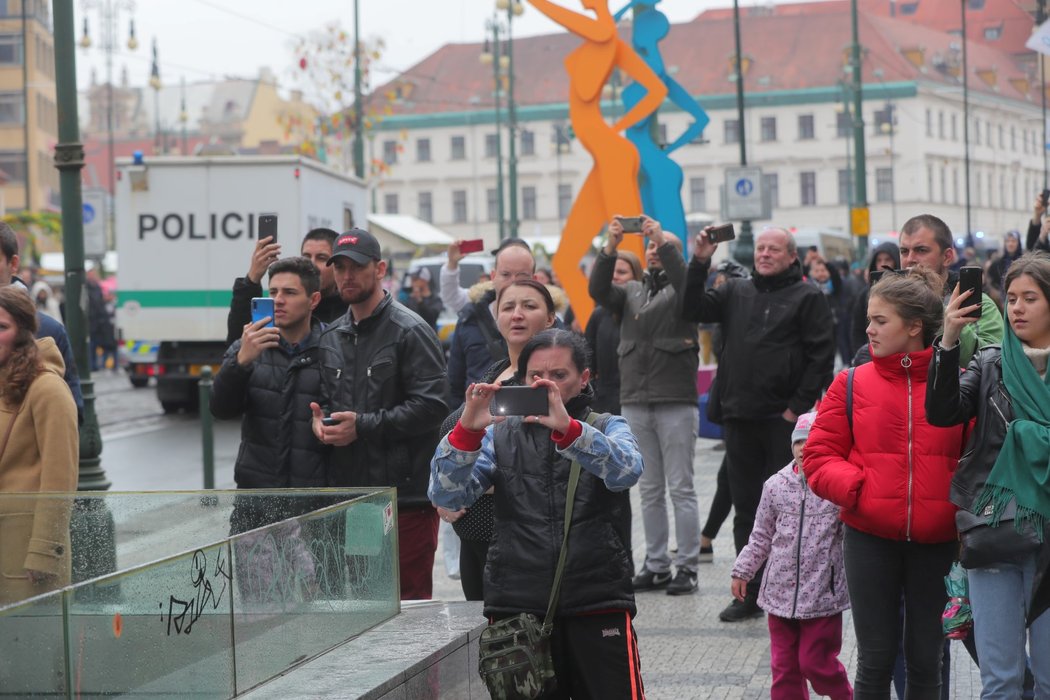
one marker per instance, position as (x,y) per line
(1040,39)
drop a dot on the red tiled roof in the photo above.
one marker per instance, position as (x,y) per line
(789,50)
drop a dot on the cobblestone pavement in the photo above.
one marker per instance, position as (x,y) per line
(686,651)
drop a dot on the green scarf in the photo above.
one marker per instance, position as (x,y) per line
(1022,470)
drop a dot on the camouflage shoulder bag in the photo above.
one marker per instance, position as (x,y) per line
(515,658)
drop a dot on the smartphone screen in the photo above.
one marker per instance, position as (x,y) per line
(631,224)
(970,278)
(268,227)
(722,233)
(520,401)
(474,245)
(261,308)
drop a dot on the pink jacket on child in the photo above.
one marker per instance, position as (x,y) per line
(801,536)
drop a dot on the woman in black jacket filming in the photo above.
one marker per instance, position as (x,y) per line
(527,459)
(1003,479)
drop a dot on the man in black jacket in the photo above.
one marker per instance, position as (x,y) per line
(269,378)
(778,357)
(383,384)
(317,247)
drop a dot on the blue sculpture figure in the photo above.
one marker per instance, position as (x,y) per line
(660,178)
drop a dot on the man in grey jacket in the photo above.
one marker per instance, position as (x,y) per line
(658,363)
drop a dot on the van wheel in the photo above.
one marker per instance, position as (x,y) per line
(171,406)
(139,382)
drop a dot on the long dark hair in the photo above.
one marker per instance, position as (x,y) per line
(23,365)
(555,338)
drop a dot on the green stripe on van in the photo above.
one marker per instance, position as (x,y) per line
(183,298)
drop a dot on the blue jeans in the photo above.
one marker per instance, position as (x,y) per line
(1000,597)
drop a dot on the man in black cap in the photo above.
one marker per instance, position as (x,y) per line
(383,384)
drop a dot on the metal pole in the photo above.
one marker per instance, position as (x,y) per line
(69,159)
(359,108)
(745,242)
(1042,89)
(25,110)
(860,170)
(893,166)
(207,427)
(512,124)
(966,117)
(849,156)
(498,86)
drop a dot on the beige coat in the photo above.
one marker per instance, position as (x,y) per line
(41,455)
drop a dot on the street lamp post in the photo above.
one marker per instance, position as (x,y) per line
(966,117)
(495,56)
(109,11)
(514,8)
(154,82)
(860,203)
(745,243)
(359,112)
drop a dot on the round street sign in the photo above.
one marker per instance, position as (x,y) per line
(744,187)
(89,213)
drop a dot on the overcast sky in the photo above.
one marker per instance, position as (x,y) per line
(209,39)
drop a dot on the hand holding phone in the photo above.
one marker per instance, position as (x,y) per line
(262,307)
(630,224)
(970,278)
(328,421)
(721,233)
(473,245)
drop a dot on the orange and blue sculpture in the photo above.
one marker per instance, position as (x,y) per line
(612,185)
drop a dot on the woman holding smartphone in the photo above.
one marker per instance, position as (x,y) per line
(872,452)
(1005,471)
(527,460)
(523,309)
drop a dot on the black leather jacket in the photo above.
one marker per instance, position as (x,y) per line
(390,370)
(951,399)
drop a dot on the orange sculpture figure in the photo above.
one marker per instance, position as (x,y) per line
(612,186)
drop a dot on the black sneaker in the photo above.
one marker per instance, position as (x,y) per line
(738,611)
(707,555)
(650,580)
(684,583)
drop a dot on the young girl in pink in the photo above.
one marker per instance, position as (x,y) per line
(798,535)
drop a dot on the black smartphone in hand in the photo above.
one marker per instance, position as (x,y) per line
(268,227)
(329,421)
(970,278)
(520,401)
(721,233)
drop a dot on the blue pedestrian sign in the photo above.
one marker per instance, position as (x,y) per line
(89,213)
(745,198)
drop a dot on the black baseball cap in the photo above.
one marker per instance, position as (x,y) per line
(358,245)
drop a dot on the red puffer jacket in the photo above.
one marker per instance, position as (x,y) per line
(891,473)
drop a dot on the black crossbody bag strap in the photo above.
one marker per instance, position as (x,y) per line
(849,398)
(570,496)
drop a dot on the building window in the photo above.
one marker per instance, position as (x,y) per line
(426,207)
(772,183)
(491,204)
(12,108)
(1013,191)
(929,123)
(988,132)
(944,181)
(528,143)
(977,188)
(977,132)
(993,33)
(11,49)
(955,187)
(491,145)
(458,147)
(845,186)
(883,184)
(732,131)
(14,164)
(805,127)
(564,200)
(1002,137)
(697,194)
(929,182)
(528,203)
(459,206)
(843,124)
(808,188)
(1013,139)
(661,135)
(883,120)
(768,128)
(423,150)
(390,203)
(940,125)
(955,128)
(390,152)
